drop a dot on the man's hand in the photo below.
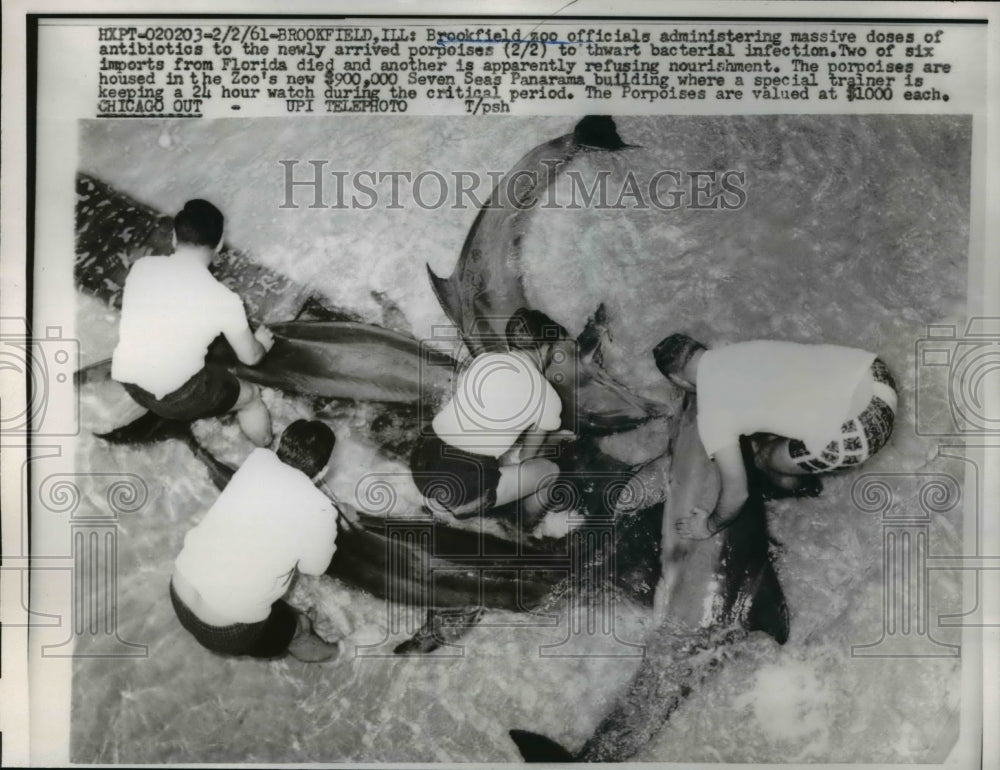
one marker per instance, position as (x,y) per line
(347,518)
(265,337)
(349,513)
(695,525)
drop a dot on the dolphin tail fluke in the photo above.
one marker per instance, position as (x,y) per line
(147,429)
(538,748)
(218,472)
(769,610)
(447,296)
(151,428)
(591,339)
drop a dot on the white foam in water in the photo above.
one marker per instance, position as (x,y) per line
(790,704)
(783,267)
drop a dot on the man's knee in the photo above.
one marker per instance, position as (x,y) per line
(548,471)
(249,393)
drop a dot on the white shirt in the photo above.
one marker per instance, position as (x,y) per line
(172,309)
(269,521)
(495,400)
(797,391)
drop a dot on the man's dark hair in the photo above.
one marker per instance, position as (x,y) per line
(527,328)
(306,445)
(199,223)
(673,353)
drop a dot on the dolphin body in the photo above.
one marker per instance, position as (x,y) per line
(332,358)
(334,355)
(716,592)
(339,357)
(343,358)
(486,286)
(365,546)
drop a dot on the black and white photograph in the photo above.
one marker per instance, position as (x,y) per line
(597,434)
(806,231)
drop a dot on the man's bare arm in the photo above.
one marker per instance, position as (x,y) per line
(700,523)
(250,347)
(734,493)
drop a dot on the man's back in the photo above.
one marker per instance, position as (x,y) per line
(269,520)
(496,398)
(172,309)
(785,388)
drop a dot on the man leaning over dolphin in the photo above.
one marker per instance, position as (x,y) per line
(806,409)
(172,310)
(483,449)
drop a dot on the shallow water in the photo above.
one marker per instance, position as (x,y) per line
(854,232)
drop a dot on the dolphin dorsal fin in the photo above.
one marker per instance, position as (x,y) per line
(591,340)
(538,748)
(447,296)
(599,132)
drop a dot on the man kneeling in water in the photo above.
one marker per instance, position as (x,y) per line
(241,559)
(172,310)
(809,409)
(482,449)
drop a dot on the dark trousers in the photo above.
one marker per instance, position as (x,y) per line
(268,638)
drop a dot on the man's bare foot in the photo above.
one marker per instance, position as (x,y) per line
(308,647)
